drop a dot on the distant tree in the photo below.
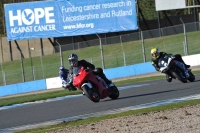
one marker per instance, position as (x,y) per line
(148,9)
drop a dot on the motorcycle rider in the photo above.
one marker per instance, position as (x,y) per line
(156,55)
(74,62)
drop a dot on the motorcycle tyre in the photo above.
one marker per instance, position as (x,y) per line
(88,92)
(192,77)
(114,92)
(179,77)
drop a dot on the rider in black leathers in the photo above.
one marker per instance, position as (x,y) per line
(156,55)
(74,62)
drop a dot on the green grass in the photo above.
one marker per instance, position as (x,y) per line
(47,66)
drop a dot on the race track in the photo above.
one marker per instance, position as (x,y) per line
(130,95)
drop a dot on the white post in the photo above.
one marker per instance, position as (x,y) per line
(61,57)
(143,48)
(124,55)
(33,69)
(102,55)
(4,77)
(185,37)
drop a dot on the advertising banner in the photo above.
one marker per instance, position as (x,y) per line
(58,18)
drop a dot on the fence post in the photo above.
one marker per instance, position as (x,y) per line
(33,70)
(102,55)
(185,37)
(121,43)
(22,66)
(143,47)
(42,65)
(124,55)
(61,57)
(4,77)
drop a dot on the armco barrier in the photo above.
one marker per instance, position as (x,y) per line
(113,73)
(53,83)
(192,60)
(23,87)
(131,70)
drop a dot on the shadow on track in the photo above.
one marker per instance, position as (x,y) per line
(141,95)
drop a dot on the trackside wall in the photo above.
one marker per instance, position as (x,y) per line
(23,87)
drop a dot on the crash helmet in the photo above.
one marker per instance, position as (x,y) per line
(62,68)
(155,53)
(73,59)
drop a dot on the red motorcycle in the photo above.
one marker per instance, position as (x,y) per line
(92,85)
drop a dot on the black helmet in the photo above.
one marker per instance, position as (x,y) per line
(73,59)
(62,68)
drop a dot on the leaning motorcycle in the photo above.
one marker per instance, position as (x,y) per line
(92,85)
(168,66)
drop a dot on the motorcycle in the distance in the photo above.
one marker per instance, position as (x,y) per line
(92,85)
(168,66)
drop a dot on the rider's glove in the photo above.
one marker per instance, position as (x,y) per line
(172,56)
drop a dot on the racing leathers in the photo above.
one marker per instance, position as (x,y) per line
(63,74)
(177,57)
(97,71)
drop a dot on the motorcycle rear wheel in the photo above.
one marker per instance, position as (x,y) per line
(91,94)
(114,93)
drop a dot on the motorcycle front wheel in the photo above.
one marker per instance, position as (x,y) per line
(192,77)
(91,94)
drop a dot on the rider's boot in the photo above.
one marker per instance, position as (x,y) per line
(168,78)
(108,82)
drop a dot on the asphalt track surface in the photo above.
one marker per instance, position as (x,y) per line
(130,95)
